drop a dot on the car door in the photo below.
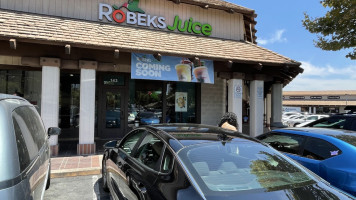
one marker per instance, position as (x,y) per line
(145,165)
(315,153)
(119,165)
(32,148)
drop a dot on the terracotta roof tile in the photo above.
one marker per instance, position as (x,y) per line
(55,30)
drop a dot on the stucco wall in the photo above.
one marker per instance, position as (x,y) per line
(213,101)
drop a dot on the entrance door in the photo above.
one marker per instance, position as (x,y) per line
(112,111)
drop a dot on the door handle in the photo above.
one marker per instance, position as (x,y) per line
(141,188)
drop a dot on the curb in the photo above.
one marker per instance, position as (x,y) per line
(76,172)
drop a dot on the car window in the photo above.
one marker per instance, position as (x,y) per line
(30,123)
(312,118)
(167,161)
(319,149)
(288,143)
(149,151)
(22,151)
(130,141)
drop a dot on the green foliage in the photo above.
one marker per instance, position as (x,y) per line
(336,30)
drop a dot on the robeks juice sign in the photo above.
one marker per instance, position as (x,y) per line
(136,16)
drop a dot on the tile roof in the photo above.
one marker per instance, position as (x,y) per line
(220,4)
(59,31)
(323,93)
(319,103)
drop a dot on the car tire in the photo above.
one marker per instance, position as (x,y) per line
(48,178)
(295,125)
(104,174)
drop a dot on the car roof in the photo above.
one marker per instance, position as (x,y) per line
(185,134)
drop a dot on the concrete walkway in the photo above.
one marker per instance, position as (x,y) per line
(75,166)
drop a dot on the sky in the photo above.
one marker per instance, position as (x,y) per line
(279,28)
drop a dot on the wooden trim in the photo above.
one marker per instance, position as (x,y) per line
(86,64)
(31,61)
(70,64)
(52,62)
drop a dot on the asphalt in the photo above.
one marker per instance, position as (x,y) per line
(75,166)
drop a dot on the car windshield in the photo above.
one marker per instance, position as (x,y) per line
(241,166)
(349,138)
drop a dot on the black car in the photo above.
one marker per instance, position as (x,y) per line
(185,161)
(338,121)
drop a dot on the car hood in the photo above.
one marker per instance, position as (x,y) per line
(310,192)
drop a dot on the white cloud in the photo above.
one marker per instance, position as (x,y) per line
(324,78)
(276,37)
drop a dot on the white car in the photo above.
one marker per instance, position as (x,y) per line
(311,118)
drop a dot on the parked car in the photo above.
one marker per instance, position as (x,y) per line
(190,161)
(338,121)
(25,154)
(328,153)
(299,120)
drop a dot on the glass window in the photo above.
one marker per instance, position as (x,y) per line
(288,143)
(30,134)
(146,98)
(31,123)
(181,103)
(149,151)
(240,166)
(130,141)
(319,149)
(27,84)
(23,153)
(167,162)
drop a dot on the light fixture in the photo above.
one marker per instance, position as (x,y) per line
(157,56)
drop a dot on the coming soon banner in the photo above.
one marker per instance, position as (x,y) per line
(145,66)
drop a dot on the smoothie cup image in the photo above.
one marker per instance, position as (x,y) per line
(201,74)
(184,72)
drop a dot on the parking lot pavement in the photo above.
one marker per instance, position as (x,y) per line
(73,188)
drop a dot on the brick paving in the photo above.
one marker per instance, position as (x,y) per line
(75,166)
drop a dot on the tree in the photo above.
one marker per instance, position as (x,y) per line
(337,28)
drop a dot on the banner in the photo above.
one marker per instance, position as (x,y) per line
(145,66)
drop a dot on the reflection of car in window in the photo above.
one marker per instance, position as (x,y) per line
(148,118)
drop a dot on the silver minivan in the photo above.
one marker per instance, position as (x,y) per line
(24,150)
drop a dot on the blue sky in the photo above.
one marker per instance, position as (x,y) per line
(279,28)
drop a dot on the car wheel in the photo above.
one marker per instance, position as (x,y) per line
(295,125)
(48,178)
(104,174)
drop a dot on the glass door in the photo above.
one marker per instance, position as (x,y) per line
(112,113)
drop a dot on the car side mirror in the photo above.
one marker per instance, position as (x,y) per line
(54,131)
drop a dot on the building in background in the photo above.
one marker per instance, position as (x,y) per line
(320,102)
(94,68)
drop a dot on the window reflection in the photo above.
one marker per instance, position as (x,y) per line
(145,102)
(181,101)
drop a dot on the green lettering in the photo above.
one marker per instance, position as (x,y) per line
(194,27)
(206,29)
(180,26)
(190,25)
(172,28)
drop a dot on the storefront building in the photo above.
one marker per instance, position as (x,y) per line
(320,102)
(94,68)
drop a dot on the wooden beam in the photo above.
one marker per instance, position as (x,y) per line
(31,61)
(70,64)
(225,75)
(67,49)
(86,64)
(52,62)
(116,53)
(13,43)
(236,75)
